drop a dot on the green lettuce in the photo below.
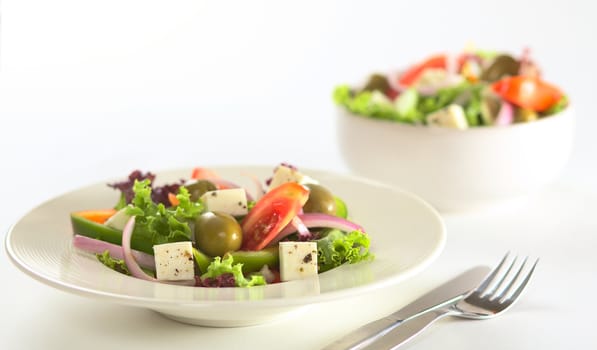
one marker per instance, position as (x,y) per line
(472,109)
(557,107)
(121,202)
(367,103)
(115,264)
(441,99)
(337,248)
(220,267)
(342,95)
(158,224)
(409,107)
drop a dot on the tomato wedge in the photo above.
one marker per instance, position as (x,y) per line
(528,92)
(412,74)
(271,214)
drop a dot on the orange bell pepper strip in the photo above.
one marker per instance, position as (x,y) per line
(172,199)
(96,215)
(528,92)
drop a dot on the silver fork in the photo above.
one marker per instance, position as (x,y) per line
(498,292)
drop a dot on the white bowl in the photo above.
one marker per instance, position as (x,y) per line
(458,170)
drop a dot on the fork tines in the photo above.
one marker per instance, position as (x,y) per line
(508,279)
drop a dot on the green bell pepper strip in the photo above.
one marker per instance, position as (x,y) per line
(252,260)
(201,260)
(84,227)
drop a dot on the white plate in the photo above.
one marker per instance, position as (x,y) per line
(406,234)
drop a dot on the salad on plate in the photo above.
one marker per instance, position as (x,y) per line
(210,232)
(469,89)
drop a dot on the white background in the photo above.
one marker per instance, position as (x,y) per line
(90,90)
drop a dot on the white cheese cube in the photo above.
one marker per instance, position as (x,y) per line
(174,261)
(284,174)
(118,220)
(231,201)
(451,117)
(297,260)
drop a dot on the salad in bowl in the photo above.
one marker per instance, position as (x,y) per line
(210,232)
(469,89)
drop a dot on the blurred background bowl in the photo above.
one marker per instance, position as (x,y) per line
(458,170)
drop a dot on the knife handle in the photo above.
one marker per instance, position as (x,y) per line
(407,330)
(364,335)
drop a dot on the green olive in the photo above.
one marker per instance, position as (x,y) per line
(199,187)
(377,82)
(321,200)
(503,65)
(217,233)
(525,115)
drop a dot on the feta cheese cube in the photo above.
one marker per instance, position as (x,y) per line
(174,261)
(231,201)
(284,174)
(297,260)
(118,220)
(452,117)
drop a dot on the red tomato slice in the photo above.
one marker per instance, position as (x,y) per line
(271,214)
(412,74)
(527,92)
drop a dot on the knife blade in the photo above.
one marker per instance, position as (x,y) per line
(449,292)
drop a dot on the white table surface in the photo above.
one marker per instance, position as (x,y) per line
(91,92)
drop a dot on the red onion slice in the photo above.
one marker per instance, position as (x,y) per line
(129,259)
(259,189)
(132,264)
(300,227)
(506,115)
(98,247)
(319,220)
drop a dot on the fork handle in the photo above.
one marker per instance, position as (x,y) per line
(407,330)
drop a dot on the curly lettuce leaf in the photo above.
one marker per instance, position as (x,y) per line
(155,222)
(220,267)
(368,103)
(441,99)
(342,95)
(337,248)
(186,208)
(117,265)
